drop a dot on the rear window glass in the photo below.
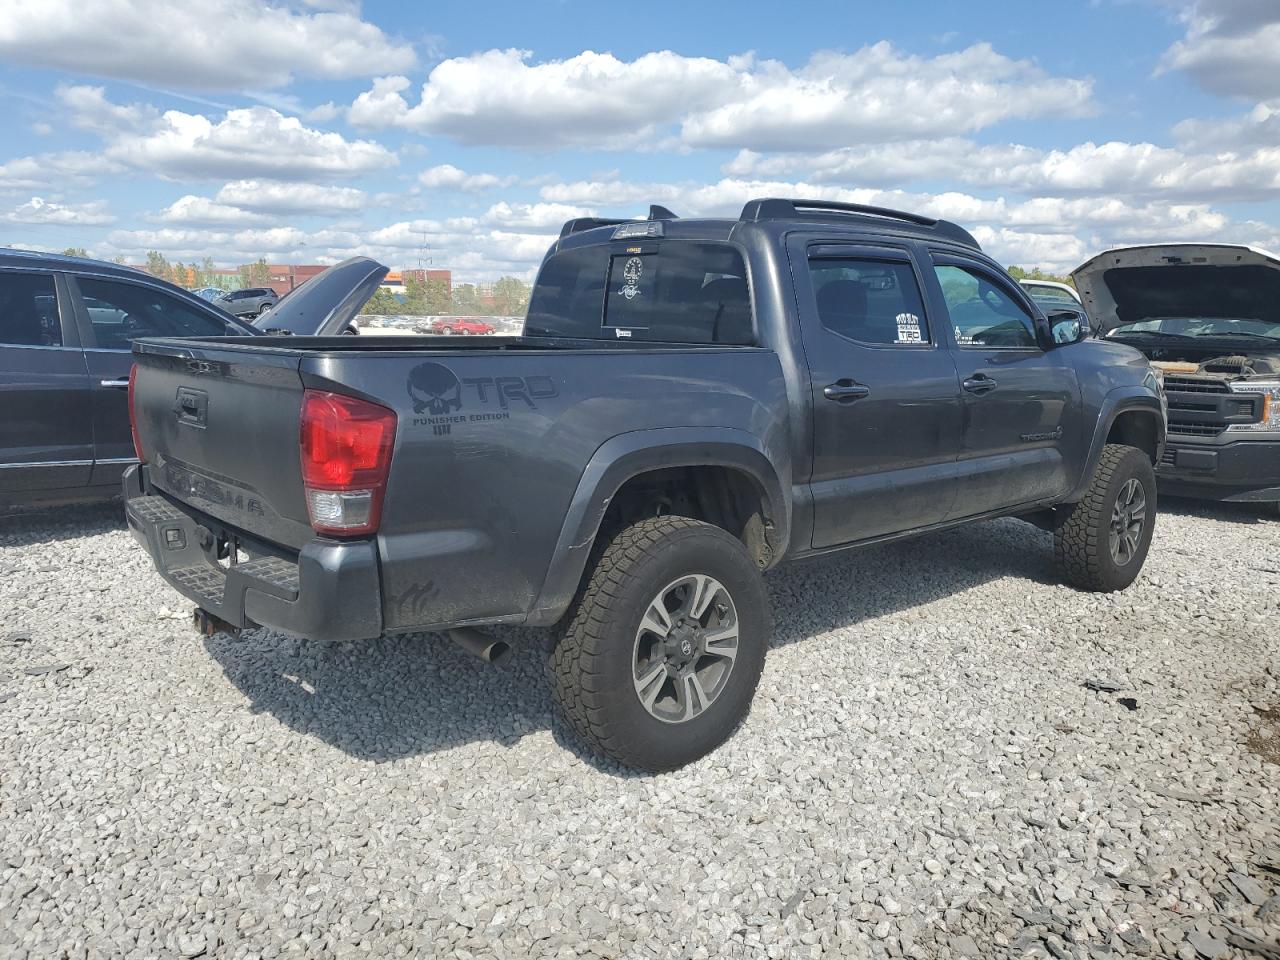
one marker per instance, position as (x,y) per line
(872,301)
(676,291)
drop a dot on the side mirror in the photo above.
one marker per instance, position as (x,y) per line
(1068,326)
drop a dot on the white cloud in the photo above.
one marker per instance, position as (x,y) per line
(237,246)
(89,109)
(254,142)
(595,99)
(62,170)
(202,210)
(269,196)
(1231,47)
(548,217)
(878,93)
(592,98)
(251,142)
(1260,127)
(224,45)
(1133,169)
(446,175)
(39,211)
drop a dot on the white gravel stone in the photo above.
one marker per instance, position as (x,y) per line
(923,774)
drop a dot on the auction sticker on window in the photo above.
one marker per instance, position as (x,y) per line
(909,328)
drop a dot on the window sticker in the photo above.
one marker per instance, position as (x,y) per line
(962,337)
(909,328)
(632,271)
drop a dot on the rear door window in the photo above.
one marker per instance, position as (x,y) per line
(119,313)
(870,301)
(673,291)
(29,310)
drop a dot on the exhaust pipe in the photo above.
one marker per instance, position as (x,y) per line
(207,625)
(487,648)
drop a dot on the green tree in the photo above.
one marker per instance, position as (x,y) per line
(466,299)
(75,252)
(158,265)
(256,274)
(1035,273)
(438,297)
(383,304)
(511,297)
(207,275)
(426,297)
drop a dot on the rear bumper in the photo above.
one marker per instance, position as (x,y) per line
(1246,470)
(329,592)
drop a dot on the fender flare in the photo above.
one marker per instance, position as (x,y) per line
(1127,399)
(630,454)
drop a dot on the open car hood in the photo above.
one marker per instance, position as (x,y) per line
(1129,284)
(325,305)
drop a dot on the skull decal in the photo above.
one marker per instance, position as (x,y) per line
(434,389)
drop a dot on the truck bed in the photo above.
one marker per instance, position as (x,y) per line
(494,441)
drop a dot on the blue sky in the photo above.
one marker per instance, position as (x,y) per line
(464,134)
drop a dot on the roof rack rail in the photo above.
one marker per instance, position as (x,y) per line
(774,208)
(579,224)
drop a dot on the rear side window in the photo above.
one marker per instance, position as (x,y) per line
(122,312)
(871,301)
(677,291)
(29,310)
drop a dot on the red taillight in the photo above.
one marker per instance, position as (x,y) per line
(346,456)
(133,416)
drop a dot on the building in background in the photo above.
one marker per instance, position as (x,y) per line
(394,282)
(283,277)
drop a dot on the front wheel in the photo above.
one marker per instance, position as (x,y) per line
(664,647)
(1101,542)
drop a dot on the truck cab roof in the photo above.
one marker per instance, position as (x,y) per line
(777,213)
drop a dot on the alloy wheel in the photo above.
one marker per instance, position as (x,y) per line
(685,648)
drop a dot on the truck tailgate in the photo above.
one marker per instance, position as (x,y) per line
(218,425)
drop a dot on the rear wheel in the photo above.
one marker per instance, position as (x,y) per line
(447,331)
(665,645)
(1101,542)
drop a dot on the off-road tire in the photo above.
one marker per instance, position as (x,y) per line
(1081,533)
(591,666)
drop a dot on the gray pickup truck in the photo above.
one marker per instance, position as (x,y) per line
(692,403)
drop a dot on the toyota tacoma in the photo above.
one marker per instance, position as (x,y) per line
(693,402)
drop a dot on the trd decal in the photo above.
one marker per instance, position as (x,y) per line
(447,400)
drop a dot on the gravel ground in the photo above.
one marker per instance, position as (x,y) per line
(924,773)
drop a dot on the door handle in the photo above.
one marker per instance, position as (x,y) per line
(116,384)
(980,383)
(845,391)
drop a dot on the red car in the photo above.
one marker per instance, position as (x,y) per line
(465,326)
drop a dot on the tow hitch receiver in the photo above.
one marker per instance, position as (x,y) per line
(207,625)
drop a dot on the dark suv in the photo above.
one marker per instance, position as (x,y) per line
(250,302)
(66,328)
